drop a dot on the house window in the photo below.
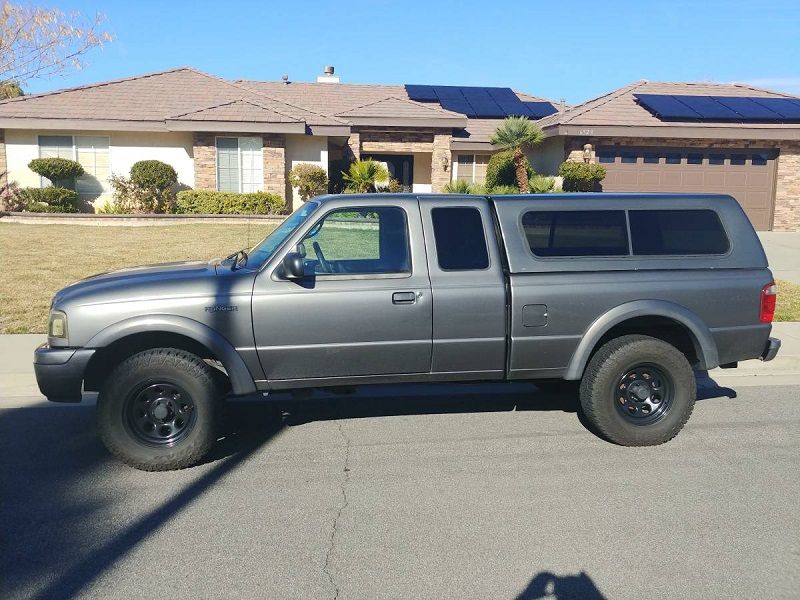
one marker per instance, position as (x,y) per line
(91,151)
(472,167)
(240,166)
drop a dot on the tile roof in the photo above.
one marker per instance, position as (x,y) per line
(238,110)
(619,108)
(393,106)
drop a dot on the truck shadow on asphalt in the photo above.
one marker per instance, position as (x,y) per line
(61,525)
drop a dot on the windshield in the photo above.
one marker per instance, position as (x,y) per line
(262,252)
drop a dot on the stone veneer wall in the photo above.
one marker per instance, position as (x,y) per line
(787,185)
(433,141)
(205,161)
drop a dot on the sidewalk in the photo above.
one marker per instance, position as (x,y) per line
(783,251)
(17,378)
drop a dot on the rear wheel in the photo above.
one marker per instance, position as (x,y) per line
(160,409)
(638,391)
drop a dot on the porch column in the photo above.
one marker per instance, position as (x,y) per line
(205,161)
(440,163)
(274,151)
(353,149)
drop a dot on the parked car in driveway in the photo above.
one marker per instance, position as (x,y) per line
(625,293)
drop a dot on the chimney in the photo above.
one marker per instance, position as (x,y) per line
(327,75)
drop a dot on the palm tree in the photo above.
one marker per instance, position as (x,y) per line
(517,134)
(363,175)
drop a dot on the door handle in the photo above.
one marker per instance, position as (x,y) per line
(404,298)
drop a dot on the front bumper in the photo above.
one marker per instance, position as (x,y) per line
(59,372)
(771,349)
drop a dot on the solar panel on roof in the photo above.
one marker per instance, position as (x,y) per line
(457,104)
(787,108)
(707,107)
(421,93)
(540,109)
(666,106)
(482,103)
(747,108)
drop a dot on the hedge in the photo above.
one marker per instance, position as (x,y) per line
(48,199)
(227,203)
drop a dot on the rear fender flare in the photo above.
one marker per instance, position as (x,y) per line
(703,341)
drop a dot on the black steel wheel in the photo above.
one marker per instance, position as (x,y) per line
(644,394)
(637,391)
(160,414)
(161,409)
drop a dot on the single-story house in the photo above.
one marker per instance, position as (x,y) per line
(247,135)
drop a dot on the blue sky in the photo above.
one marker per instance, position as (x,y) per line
(573,50)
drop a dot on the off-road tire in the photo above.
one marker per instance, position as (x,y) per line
(599,390)
(205,386)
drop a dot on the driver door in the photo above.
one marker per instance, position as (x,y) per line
(363,308)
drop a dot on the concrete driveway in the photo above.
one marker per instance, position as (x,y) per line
(469,491)
(783,250)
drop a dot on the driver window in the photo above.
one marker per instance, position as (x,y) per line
(358,241)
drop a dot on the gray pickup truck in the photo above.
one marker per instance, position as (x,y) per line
(626,293)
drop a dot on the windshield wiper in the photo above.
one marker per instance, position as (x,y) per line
(238,259)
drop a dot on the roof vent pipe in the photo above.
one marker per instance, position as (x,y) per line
(327,75)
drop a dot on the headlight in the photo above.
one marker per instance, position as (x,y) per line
(58,324)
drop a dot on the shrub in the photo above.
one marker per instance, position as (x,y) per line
(364,176)
(153,174)
(581,177)
(501,171)
(48,199)
(228,203)
(503,190)
(310,180)
(131,198)
(463,187)
(392,187)
(60,171)
(541,184)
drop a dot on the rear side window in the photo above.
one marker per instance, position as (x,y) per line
(460,240)
(576,232)
(677,232)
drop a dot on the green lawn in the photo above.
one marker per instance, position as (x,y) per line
(38,260)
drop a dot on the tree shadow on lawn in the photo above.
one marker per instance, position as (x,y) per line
(61,493)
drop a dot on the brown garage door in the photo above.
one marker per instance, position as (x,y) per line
(748,175)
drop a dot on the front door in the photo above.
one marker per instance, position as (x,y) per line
(364,307)
(400,166)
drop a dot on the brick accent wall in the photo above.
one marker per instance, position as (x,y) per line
(205,161)
(787,189)
(3,164)
(441,163)
(274,150)
(787,182)
(396,141)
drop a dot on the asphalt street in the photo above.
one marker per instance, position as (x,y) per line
(469,491)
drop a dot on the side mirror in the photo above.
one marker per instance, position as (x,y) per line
(293,266)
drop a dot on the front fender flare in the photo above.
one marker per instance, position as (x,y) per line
(703,341)
(241,380)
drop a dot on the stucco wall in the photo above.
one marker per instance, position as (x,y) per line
(422,173)
(304,149)
(547,156)
(174,148)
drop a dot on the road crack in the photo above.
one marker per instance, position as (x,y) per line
(334,530)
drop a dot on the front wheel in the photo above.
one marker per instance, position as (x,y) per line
(160,410)
(638,391)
